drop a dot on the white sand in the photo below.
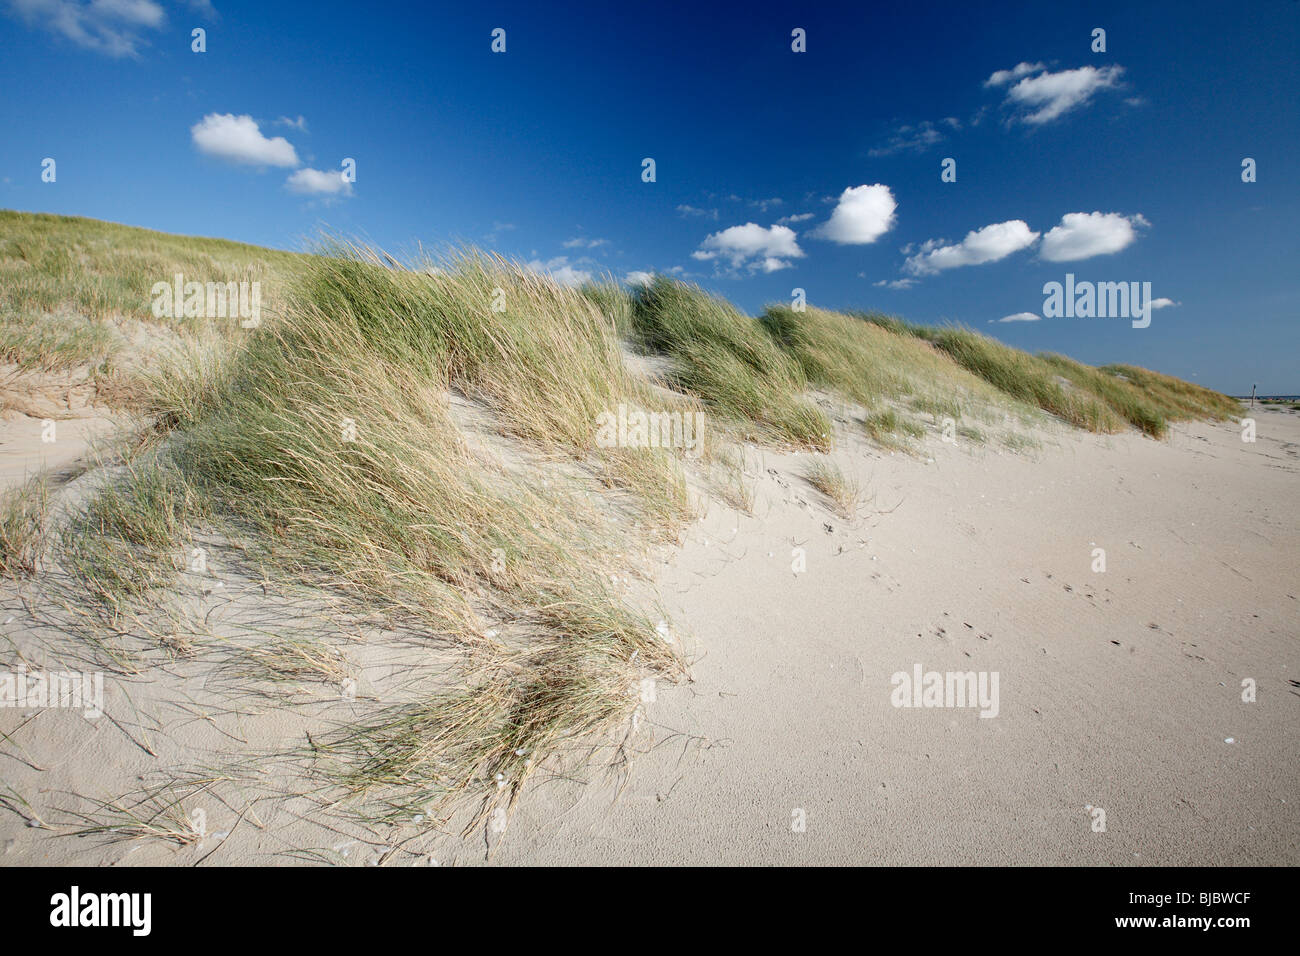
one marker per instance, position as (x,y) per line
(1117,690)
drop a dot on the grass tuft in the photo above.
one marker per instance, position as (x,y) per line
(843,491)
(23,525)
(723,357)
(886,425)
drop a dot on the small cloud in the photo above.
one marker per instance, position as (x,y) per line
(1003,77)
(581,243)
(299,124)
(204,7)
(497,229)
(993,242)
(767,249)
(561,271)
(1049,96)
(694,212)
(315,182)
(237,139)
(797,217)
(639,278)
(762,205)
(894,283)
(1082,235)
(916,139)
(1019,317)
(1163,303)
(112,27)
(863,215)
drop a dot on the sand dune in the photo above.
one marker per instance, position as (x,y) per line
(1117,690)
(400,578)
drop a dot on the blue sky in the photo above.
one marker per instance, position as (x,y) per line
(1123,165)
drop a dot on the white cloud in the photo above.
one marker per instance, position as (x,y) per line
(113,27)
(639,278)
(144,13)
(299,124)
(863,215)
(989,244)
(1003,77)
(895,283)
(762,205)
(1163,303)
(1019,317)
(581,243)
(916,138)
(695,211)
(561,271)
(1082,235)
(238,140)
(316,182)
(568,275)
(797,217)
(497,229)
(768,249)
(1048,96)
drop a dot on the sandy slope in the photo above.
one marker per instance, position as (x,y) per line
(1117,689)
(24,454)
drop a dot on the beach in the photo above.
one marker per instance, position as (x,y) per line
(1118,690)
